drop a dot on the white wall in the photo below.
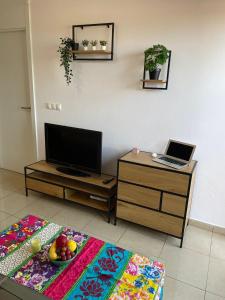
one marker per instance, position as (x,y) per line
(107,96)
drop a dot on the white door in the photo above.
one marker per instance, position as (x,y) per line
(16,135)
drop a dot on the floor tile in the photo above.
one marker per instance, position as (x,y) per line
(186,265)
(3,215)
(8,221)
(195,238)
(45,208)
(74,215)
(100,227)
(12,181)
(15,202)
(209,296)
(142,240)
(216,277)
(177,290)
(218,246)
(4,192)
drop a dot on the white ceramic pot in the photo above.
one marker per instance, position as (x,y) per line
(85,48)
(93,48)
(103,48)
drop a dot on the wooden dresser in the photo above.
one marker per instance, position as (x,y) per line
(154,195)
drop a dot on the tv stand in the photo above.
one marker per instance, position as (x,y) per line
(72,172)
(84,190)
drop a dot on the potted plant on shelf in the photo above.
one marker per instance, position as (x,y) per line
(155,57)
(94,44)
(103,45)
(85,44)
(66,56)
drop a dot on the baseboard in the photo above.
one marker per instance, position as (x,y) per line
(207,226)
(200,224)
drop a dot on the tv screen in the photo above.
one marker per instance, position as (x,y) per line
(73,147)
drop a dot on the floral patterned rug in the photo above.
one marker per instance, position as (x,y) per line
(99,271)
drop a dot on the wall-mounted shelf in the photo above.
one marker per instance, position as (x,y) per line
(150,84)
(153,81)
(92,52)
(100,54)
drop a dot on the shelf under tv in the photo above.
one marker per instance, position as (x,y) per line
(45,178)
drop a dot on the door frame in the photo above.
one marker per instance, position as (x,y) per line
(31,83)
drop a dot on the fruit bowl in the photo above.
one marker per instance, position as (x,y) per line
(63,262)
(62,251)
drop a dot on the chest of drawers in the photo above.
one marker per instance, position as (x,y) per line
(154,195)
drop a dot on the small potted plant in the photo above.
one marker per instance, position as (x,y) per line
(94,44)
(103,45)
(66,56)
(85,44)
(155,57)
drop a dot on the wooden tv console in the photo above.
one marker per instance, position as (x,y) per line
(43,177)
(154,195)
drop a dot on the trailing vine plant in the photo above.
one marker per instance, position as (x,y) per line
(66,57)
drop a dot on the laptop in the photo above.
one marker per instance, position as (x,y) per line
(177,155)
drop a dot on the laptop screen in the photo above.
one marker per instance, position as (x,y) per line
(180,151)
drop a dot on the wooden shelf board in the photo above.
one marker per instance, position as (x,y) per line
(83,199)
(153,81)
(94,179)
(69,183)
(91,52)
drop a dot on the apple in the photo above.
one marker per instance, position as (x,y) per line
(61,241)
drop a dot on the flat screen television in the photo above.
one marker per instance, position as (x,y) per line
(75,148)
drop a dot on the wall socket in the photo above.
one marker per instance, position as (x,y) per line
(54,106)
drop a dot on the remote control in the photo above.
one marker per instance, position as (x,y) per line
(106,181)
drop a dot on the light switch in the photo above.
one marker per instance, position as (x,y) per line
(54,106)
(59,107)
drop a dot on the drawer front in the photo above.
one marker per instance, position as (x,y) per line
(46,188)
(155,178)
(150,218)
(173,204)
(138,195)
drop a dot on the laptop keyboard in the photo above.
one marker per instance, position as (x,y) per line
(172,161)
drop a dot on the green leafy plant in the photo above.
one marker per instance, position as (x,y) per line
(66,57)
(85,43)
(155,56)
(94,43)
(103,43)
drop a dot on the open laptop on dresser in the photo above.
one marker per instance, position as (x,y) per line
(177,154)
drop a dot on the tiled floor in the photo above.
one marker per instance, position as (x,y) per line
(197,271)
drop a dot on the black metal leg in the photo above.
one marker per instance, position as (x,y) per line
(109,210)
(181,243)
(25,177)
(115,208)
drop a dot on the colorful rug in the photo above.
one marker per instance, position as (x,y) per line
(99,271)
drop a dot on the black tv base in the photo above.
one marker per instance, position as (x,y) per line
(73,172)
